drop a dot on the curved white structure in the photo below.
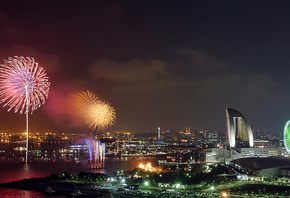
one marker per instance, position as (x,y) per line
(239,130)
(286,136)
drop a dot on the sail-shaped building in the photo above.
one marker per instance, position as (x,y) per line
(239,131)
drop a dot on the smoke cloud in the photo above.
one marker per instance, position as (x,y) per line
(60,106)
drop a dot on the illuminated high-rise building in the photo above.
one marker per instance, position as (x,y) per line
(158,133)
(239,130)
(187,133)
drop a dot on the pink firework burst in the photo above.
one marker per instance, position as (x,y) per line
(24,84)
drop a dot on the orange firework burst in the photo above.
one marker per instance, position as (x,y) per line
(97,114)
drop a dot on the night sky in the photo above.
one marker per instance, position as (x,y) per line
(172,64)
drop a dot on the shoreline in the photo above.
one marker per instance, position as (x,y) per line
(56,187)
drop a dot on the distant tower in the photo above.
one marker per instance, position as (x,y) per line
(258,134)
(158,133)
(117,146)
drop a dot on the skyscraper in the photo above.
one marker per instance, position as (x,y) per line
(238,129)
(158,133)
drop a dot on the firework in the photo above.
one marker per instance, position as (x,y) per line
(24,86)
(97,114)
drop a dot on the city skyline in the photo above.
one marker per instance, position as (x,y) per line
(169,65)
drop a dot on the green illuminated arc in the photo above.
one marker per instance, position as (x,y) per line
(286,136)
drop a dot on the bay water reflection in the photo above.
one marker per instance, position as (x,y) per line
(11,170)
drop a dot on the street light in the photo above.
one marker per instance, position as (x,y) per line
(224,194)
(146,183)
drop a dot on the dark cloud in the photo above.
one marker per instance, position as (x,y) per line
(201,62)
(254,85)
(134,75)
(139,75)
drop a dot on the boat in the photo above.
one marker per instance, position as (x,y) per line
(76,193)
(19,148)
(49,190)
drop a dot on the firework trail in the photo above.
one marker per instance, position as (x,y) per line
(24,86)
(97,114)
